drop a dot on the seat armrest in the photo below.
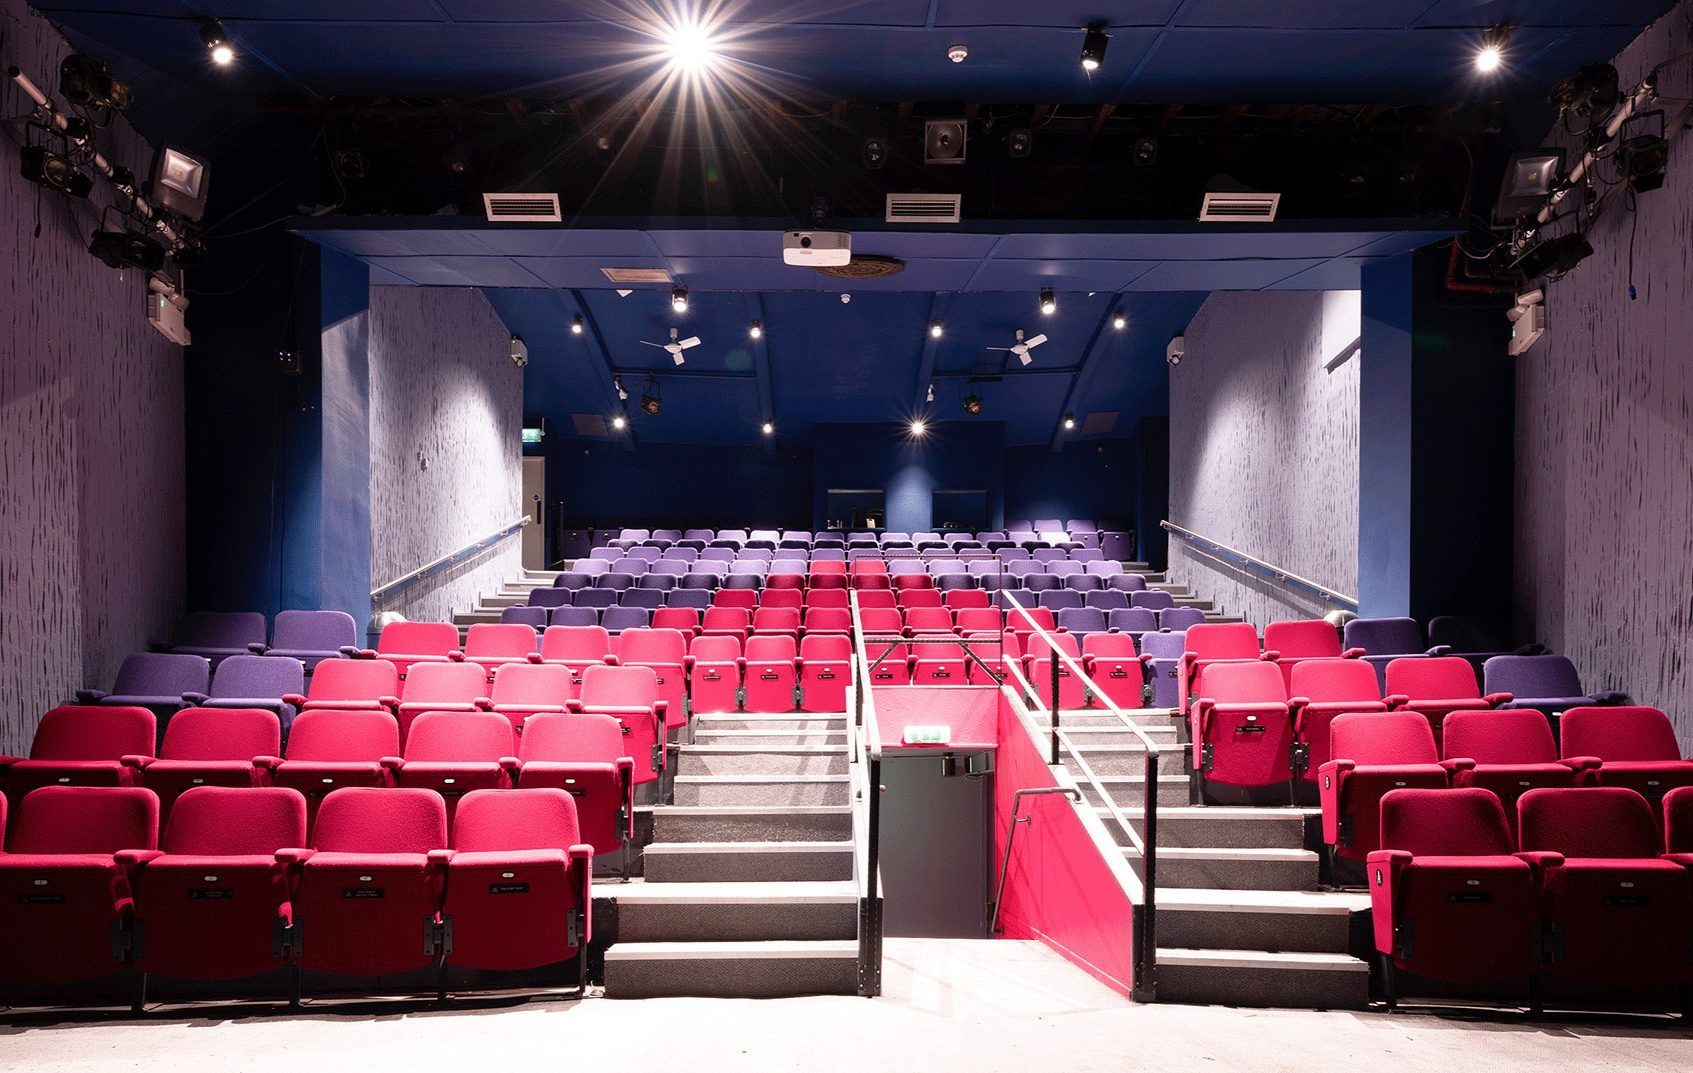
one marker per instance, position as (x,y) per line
(136,761)
(1296,703)
(1611,696)
(1352,653)
(1540,861)
(257,648)
(131,859)
(741,662)
(660,707)
(1581,763)
(1495,699)
(1439,650)
(269,763)
(439,859)
(296,699)
(391,763)
(1397,700)
(294,857)
(798,663)
(1337,767)
(1385,866)
(195,699)
(485,704)
(351,651)
(91,696)
(574,704)
(510,764)
(609,660)
(688,663)
(364,653)
(1458,763)
(1270,655)
(455,655)
(391,703)
(1534,648)
(1683,859)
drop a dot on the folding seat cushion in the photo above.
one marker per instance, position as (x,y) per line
(533,617)
(366,895)
(743,599)
(1060,599)
(1322,689)
(614,581)
(1108,570)
(928,620)
(1546,683)
(1507,752)
(215,905)
(65,894)
(1161,655)
(209,747)
(631,696)
(823,620)
(522,691)
(703,580)
(518,882)
(1240,724)
(1180,618)
(1300,640)
(80,745)
(491,645)
(1082,621)
(685,620)
(216,635)
(965,599)
(1385,640)
(1084,582)
(793,599)
(545,597)
(697,599)
(1618,913)
(714,673)
(734,621)
(453,753)
(1635,745)
(405,643)
(617,619)
(1448,898)
(783,620)
(1130,583)
(666,653)
(330,749)
(1114,668)
(645,599)
(313,636)
(1107,600)
(161,682)
(1373,753)
(442,687)
(1436,685)
(824,672)
(837,599)
(1039,665)
(573,616)
(825,581)
(1155,599)
(771,673)
(1214,642)
(910,598)
(1042,583)
(1134,621)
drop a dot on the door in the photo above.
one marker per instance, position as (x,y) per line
(534,502)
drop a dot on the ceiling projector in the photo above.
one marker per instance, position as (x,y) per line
(817,249)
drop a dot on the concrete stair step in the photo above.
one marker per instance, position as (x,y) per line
(732,969)
(752,823)
(502,600)
(734,911)
(471,618)
(1231,868)
(773,739)
(752,862)
(786,722)
(1260,978)
(1128,760)
(1131,789)
(763,789)
(1193,601)
(1090,738)
(769,760)
(1278,920)
(1225,826)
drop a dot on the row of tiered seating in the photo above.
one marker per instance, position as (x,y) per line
(307,636)
(1577,884)
(236,888)
(163,682)
(1039,533)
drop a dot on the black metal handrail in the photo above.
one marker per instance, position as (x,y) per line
(1255,565)
(864,735)
(452,558)
(1011,840)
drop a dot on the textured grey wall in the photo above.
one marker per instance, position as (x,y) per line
(442,383)
(1605,437)
(1264,447)
(91,470)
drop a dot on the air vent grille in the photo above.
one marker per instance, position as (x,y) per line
(925,208)
(522,208)
(1099,423)
(1239,208)
(589,424)
(637,275)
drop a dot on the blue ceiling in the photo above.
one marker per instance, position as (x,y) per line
(1190,51)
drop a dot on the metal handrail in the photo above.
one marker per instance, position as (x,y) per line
(1011,839)
(1265,569)
(452,558)
(1146,921)
(867,740)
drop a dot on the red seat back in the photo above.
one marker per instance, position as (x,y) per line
(445,683)
(82,732)
(767,619)
(1432,678)
(451,737)
(1324,681)
(418,638)
(354,679)
(1242,683)
(515,820)
(226,821)
(685,619)
(575,644)
(1223,640)
(343,737)
(222,734)
(771,648)
(719,648)
(651,646)
(736,619)
(583,738)
(1588,821)
(929,620)
(1382,738)
(825,646)
(85,819)
(371,820)
(1303,639)
(828,620)
(531,683)
(1509,736)
(1621,734)
(1678,820)
(619,687)
(1464,822)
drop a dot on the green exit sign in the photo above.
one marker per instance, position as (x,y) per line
(939,734)
(532,435)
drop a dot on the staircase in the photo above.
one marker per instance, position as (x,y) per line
(1241,918)
(748,886)
(511,593)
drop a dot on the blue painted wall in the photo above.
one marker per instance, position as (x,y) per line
(1095,480)
(1384,441)
(952,455)
(670,485)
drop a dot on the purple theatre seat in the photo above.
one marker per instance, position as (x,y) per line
(217,635)
(1061,599)
(161,682)
(257,682)
(544,597)
(600,598)
(1107,600)
(647,598)
(698,599)
(1083,582)
(616,580)
(574,616)
(1179,618)
(313,636)
(1156,599)
(1082,621)
(1547,684)
(1474,639)
(573,579)
(1134,621)
(1162,655)
(1385,640)
(1107,568)
(534,617)
(617,619)
(1128,582)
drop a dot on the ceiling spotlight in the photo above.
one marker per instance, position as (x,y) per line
(128,249)
(1069,422)
(768,428)
(217,42)
(1048,301)
(1490,56)
(958,53)
(54,171)
(622,393)
(679,299)
(874,152)
(651,403)
(179,182)
(86,81)
(756,330)
(918,427)
(1093,47)
(1145,152)
(935,329)
(973,404)
(931,396)
(1643,160)
(576,325)
(1119,320)
(619,422)
(690,47)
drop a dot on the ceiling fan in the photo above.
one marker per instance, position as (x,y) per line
(1021,348)
(675,346)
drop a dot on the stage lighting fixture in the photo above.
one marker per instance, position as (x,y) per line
(44,167)
(1643,160)
(931,396)
(651,402)
(1048,301)
(1529,180)
(85,81)
(1069,422)
(622,392)
(1119,320)
(1020,143)
(973,404)
(1591,91)
(179,182)
(1528,321)
(128,249)
(756,330)
(619,422)
(1145,152)
(1555,256)
(768,428)
(1093,47)
(874,152)
(679,299)
(935,329)
(576,325)
(1490,56)
(217,42)
(690,47)
(918,427)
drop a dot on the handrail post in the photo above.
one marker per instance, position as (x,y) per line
(1052,657)
(1011,840)
(1146,979)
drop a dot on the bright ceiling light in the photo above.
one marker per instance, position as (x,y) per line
(769,428)
(690,47)
(576,325)
(1069,422)
(1093,47)
(217,42)
(1491,55)
(756,330)
(679,299)
(619,422)
(1048,301)
(934,329)
(1119,320)
(918,427)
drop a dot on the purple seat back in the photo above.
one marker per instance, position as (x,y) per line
(267,677)
(162,674)
(313,631)
(1532,676)
(221,630)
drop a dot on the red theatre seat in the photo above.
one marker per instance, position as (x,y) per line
(1114,668)
(587,757)
(524,690)
(454,753)
(664,652)
(714,673)
(1508,752)
(80,745)
(404,644)
(1242,729)
(1321,690)
(1635,746)
(630,695)
(1373,754)
(209,747)
(1435,686)
(771,673)
(1213,642)
(825,671)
